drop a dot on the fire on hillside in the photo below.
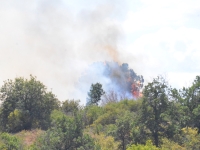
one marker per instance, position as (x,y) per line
(114,77)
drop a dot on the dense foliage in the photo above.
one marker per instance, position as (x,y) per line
(26,104)
(94,96)
(163,118)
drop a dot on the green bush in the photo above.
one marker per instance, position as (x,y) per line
(147,146)
(9,142)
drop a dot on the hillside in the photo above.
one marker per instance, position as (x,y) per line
(162,118)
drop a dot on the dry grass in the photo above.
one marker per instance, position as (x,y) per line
(29,137)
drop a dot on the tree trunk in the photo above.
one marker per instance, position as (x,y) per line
(123,144)
(156,138)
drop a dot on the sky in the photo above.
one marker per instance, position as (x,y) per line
(57,40)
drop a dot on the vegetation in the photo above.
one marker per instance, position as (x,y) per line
(94,96)
(31,118)
(26,105)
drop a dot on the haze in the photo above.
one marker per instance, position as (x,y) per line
(56,41)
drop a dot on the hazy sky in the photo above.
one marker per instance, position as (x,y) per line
(56,40)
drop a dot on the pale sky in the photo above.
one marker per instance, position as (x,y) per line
(165,35)
(56,40)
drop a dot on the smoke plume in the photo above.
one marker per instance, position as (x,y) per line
(114,78)
(56,41)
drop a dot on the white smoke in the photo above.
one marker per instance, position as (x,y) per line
(50,40)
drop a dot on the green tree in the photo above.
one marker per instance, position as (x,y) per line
(154,109)
(123,131)
(189,100)
(190,138)
(26,104)
(94,96)
(147,146)
(69,107)
(66,133)
(92,113)
(9,142)
(105,142)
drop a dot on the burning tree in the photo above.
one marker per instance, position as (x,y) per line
(115,77)
(125,80)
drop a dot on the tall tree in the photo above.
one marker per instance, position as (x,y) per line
(94,96)
(190,104)
(123,131)
(27,102)
(154,108)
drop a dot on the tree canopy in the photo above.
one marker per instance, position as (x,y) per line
(95,93)
(26,104)
(162,118)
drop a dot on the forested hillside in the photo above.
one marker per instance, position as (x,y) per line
(162,118)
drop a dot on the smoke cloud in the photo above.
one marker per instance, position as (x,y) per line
(50,40)
(115,78)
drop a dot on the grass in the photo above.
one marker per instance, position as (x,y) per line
(28,137)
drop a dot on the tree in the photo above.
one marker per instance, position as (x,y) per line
(154,108)
(92,113)
(109,97)
(104,142)
(9,142)
(190,104)
(190,138)
(123,130)
(66,133)
(69,107)
(94,96)
(26,104)
(147,146)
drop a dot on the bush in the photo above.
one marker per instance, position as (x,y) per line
(148,146)
(9,142)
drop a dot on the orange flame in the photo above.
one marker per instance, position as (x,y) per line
(135,90)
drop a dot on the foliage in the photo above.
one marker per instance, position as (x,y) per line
(92,113)
(26,104)
(15,120)
(155,106)
(163,118)
(147,146)
(111,113)
(69,107)
(94,96)
(29,137)
(123,132)
(66,133)
(189,99)
(168,144)
(105,142)
(9,142)
(190,138)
